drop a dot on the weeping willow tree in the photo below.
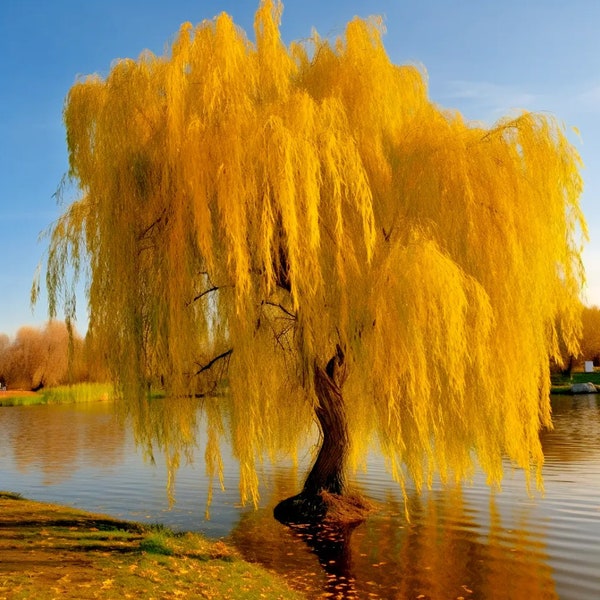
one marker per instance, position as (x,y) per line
(302,227)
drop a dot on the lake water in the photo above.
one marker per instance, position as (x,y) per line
(466,543)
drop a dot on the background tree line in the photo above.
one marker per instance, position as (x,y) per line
(47,356)
(589,343)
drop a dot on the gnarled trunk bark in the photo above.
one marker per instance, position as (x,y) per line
(328,471)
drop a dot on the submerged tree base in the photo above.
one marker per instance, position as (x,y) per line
(323,507)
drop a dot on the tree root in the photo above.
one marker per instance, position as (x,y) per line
(324,507)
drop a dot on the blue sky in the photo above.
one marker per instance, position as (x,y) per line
(485,58)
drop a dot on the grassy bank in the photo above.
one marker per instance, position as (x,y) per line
(50,551)
(562,384)
(64,394)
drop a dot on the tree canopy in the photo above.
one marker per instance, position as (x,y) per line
(249,209)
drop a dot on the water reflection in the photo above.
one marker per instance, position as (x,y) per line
(465,543)
(57,439)
(576,434)
(449,549)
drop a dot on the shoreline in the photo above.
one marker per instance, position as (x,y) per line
(50,550)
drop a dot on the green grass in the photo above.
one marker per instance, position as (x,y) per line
(64,394)
(79,392)
(157,541)
(51,551)
(562,384)
(16,399)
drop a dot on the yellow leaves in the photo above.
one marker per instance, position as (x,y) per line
(107,584)
(276,66)
(275,202)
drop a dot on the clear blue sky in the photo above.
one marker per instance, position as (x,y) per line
(486,58)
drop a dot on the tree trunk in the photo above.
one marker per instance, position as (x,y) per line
(328,471)
(568,371)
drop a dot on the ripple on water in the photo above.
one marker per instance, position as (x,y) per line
(465,542)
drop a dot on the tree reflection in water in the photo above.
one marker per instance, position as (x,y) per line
(576,434)
(450,549)
(55,438)
(458,543)
(331,544)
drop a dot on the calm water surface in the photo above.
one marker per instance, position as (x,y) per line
(462,543)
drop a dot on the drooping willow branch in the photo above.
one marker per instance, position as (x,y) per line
(143,234)
(212,361)
(214,288)
(264,164)
(290,314)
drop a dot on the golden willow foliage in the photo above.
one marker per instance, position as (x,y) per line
(440,254)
